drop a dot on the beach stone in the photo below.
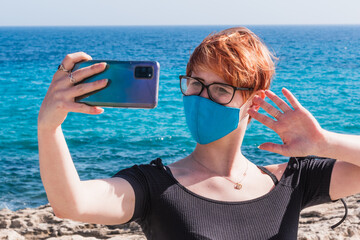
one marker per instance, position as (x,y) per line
(116,231)
(42,226)
(18,223)
(64,231)
(73,237)
(102,232)
(25,211)
(92,233)
(5,212)
(30,224)
(68,225)
(350,232)
(5,223)
(9,234)
(310,214)
(357,213)
(127,237)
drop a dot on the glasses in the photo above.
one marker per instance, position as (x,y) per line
(221,93)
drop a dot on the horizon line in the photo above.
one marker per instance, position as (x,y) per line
(188,25)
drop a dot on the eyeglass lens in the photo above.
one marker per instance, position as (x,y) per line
(218,92)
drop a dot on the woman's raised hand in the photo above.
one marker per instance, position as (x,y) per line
(298,129)
(59,99)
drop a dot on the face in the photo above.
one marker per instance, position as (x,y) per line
(209,78)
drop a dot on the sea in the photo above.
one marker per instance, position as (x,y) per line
(319,64)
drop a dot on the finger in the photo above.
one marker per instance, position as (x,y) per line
(290,97)
(70,59)
(85,72)
(84,88)
(83,108)
(273,147)
(267,107)
(278,101)
(270,123)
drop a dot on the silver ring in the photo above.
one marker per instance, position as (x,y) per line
(72,79)
(277,114)
(62,68)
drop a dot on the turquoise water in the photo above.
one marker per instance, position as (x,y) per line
(319,64)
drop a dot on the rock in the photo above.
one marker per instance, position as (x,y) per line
(5,211)
(9,234)
(64,231)
(43,227)
(73,237)
(128,237)
(5,223)
(357,212)
(310,214)
(18,223)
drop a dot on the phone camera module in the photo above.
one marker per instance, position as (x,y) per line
(144,72)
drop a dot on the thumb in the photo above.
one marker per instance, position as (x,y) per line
(273,147)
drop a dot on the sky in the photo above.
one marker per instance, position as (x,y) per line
(173,12)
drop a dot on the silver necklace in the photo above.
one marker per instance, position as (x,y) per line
(237,185)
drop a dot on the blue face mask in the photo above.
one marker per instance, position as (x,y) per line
(209,121)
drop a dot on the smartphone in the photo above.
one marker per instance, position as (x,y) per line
(131,84)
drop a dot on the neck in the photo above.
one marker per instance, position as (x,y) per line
(223,156)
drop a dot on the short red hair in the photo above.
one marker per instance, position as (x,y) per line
(238,56)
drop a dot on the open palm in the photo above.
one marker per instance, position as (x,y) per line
(298,129)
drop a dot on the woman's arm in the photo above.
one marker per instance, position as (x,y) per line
(345,178)
(108,201)
(302,136)
(342,147)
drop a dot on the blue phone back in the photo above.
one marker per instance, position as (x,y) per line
(123,88)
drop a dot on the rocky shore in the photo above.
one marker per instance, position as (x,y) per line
(40,223)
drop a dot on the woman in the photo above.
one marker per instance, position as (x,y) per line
(215,192)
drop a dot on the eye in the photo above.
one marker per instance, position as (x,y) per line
(223,90)
(194,83)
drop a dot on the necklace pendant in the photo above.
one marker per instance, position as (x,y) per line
(237,186)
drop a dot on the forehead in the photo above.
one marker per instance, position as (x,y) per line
(208,76)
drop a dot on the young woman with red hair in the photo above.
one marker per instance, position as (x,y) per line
(215,192)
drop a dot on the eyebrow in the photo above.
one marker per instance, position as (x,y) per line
(203,81)
(198,78)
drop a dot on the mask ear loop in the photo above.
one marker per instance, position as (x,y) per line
(344,217)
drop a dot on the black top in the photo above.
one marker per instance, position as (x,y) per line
(167,210)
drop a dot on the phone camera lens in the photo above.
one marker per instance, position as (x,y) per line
(143,72)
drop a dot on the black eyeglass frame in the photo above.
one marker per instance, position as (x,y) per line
(207,88)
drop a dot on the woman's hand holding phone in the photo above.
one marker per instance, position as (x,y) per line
(59,99)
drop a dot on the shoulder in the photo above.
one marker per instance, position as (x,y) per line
(303,165)
(151,178)
(144,169)
(277,169)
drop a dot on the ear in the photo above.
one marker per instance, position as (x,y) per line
(256,106)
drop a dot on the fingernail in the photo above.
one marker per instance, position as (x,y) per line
(257,99)
(104,80)
(99,110)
